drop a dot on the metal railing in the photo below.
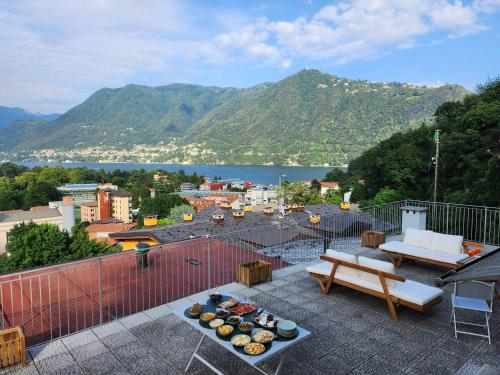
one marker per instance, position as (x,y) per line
(58,300)
(474,223)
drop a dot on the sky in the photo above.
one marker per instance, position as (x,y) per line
(56,53)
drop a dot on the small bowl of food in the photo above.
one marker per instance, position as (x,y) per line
(206,317)
(254,348)
(222,313)
(216,323)
(245,327)
(225,330)
(234,320)
(240,340)
(215,297)
(195,310)
(263,336)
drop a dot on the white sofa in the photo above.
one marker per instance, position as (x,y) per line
(427,246)
(374,277)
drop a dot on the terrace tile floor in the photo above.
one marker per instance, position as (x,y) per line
(352,334)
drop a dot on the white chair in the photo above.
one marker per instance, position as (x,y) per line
(474,296)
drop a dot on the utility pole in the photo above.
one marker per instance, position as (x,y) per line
(436,162)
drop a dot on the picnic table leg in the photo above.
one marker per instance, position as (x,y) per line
(280,365)
(194,354)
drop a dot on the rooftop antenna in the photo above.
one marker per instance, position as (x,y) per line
(436,162)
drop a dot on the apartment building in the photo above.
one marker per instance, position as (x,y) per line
(115,204)
(89,211)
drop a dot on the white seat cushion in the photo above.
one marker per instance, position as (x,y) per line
(415,292)
(360,282)
(345,257)
(401,248)
(418,238)
(446,243)
(322,268)
(378,265)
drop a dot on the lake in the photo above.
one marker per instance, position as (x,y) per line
(257,174)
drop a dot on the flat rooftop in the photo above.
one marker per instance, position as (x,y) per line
(352,333)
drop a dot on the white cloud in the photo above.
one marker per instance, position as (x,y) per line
(54,53)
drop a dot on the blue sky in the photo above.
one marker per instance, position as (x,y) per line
(55,53)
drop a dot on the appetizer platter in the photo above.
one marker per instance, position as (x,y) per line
(243,308)
(265,320)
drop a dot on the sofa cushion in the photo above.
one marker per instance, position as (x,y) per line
(401,248)
(346,257)
(415,292)
(322,268)
(446,243)
(377,265)
(418,238)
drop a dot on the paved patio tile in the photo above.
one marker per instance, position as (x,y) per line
(79,339)
(135,320)
(140,359)
(49,349)
(69,370)
(447,359)
(378,366)
(118,339)
(289,367)
(49,365)
(103,364)
(424,367)
(158,312)
(108,329)
(87,351)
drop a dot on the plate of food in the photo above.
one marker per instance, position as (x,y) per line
(234,320)
(206,317)
(266,320)
(240,340)
(216,323)
(195,310)
(225,330)
(222,313)
(243,308)
(245,327)
(215,297)
(263,336)
(231,302)
(254,348)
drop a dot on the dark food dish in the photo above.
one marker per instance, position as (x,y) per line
(215,297)
(254,348)
(234,320)
(266,320)
(229,303)
(245,326)
(222,313)
(243,308)
(206,317)
(195,310)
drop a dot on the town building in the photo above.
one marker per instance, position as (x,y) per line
(200,203)
(186,186)
(262,196)
(83,192)
(62,215)
(100,229)
(325,186)
(115,204)
(89,211)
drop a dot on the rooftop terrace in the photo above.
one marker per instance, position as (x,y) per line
(351,333)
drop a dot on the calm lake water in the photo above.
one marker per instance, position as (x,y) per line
(257,174)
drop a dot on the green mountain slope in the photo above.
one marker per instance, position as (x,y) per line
(309,118)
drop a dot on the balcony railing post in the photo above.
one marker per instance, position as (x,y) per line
(99,263)
(209,262)
(447,217)
(485,223)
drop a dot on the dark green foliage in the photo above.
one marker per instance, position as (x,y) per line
(81,247)
(161,204)
(39,193)
(31,245)
(309,118)
(469,168)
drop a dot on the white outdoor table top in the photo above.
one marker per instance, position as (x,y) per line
(276,347)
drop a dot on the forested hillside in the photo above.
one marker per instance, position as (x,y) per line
(309,118)
(469,169)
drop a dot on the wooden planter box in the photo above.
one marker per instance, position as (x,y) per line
(372,238)
(12,347)
(252,273)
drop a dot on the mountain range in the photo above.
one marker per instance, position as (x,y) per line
(309,118)
(10,115)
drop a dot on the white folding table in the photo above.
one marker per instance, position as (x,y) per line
(276,347)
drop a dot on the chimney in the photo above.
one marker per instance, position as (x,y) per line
(218,218)
(239,214)
(67,200)
(150,220)
(268,211)
(67,212)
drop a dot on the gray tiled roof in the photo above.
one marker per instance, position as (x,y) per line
(14,216)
